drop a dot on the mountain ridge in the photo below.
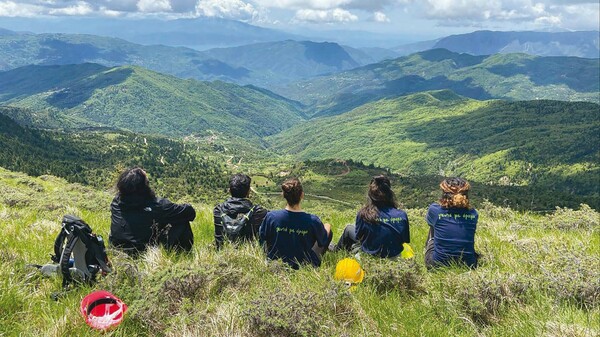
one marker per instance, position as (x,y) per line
(145,101)
(503,76)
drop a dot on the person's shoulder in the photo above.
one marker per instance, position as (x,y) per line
(399,212)
(218,208)
(165,203)
(276,213)
(435,206)
(314,218)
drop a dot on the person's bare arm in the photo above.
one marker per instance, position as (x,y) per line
(327,227)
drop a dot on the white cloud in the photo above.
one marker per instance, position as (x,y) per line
(367,5)
(532,13)
(232,9)
(154,6)
(81,8)
(324,16)
(10,8)
(380,17)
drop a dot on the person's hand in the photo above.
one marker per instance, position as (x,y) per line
(327,227)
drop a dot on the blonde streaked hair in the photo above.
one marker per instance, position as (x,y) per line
(455,193)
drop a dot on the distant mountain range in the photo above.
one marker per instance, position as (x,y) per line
(264,64)
(505,76)
(198,33)
(140,100)
(580,44)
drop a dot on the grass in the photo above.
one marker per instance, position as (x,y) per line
(539,275)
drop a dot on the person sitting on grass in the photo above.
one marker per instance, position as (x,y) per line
(381,228)
(140,219)
(293,235)
(237,219)
(452,223)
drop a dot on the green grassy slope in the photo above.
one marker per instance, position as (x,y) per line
(503,143)
(509,76)
(527,283)
(144,101)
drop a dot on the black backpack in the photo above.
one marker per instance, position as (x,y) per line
(233,228)
(79,251)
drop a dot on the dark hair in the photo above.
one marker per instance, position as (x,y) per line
(380,195)
(134,182)
(239,185)
(455,193)
(292,191)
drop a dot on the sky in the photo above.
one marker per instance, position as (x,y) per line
(424,18)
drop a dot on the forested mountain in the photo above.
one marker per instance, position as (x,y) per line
(506,76)
(140,100)
(580,44)
(199,33)
(549,143)
(96,158)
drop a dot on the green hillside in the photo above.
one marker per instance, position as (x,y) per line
(96,158)
(548,143)
(505,76)
(140,100)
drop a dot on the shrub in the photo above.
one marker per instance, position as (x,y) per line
(484,298)
(287,312)
(565,218)
(399,274)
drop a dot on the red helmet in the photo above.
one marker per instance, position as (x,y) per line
(102,310)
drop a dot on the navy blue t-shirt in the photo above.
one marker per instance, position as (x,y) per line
(385,238)
(453,233)
(290,236)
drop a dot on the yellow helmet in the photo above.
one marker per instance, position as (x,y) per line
(407,252)
(349,270)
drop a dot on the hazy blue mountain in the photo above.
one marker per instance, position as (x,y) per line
(199,33)
(289,60)
(17,50)
(506,76)
(263,64)
(580,44)
(140,100)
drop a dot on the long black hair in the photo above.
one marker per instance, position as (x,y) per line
(380,195)
(134,181)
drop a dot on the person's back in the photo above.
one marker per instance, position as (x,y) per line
(237,211)
(452,226)
(381,228)
(386,237)
(139,218)
(292,235)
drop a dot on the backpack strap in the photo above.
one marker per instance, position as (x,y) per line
(58,245)
(65,258)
